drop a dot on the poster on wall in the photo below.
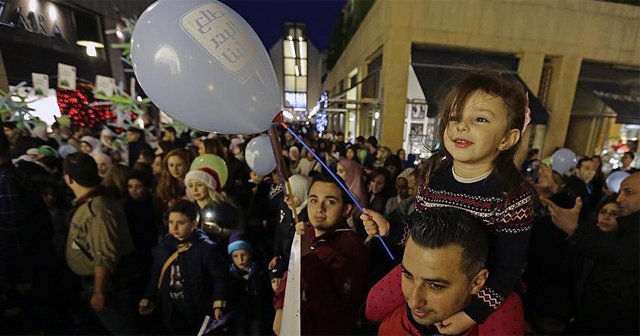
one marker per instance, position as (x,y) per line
(40,84)
(416,129)
(418,111)
(105,85)
(66,76)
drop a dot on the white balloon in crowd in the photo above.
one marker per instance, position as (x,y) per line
(259,155)
(563,160)
(615,180)
(203,64)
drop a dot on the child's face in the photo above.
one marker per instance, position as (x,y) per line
(325,206)
(607,217)
(180,226)
(587,171)
(199,191)
(275,283)
(241,258)
(480,135)
(136,189)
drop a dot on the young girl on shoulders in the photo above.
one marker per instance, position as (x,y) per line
(482,119)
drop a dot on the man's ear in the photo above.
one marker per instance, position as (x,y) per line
(509,140)
(68,179)
(348,208)
(478,281)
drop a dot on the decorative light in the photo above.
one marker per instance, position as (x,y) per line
(53,13)
(287,115)
(91,50)
(33,5)
(75,105)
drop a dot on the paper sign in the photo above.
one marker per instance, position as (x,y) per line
(66,76)
(40,84)
(105,85)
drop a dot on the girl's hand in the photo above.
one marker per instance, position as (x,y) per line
(217,313)
(375,223)
(456,324)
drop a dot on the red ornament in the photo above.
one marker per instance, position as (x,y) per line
(75,105)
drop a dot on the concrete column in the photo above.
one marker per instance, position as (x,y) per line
(530,70)
(395,71)
(564,80)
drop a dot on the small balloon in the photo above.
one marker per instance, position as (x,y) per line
(615,180)
(259,155)
(203,64)
(563,160)
(214,162)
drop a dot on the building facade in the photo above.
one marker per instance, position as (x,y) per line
(580,58)
(298,66)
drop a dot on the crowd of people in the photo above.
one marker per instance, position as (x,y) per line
(109,233)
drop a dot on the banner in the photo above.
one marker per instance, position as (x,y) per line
(291,310)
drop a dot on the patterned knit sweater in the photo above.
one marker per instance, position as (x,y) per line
(508,223)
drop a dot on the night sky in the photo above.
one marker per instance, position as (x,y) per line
(267,16)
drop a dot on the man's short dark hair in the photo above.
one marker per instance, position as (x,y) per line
(440,227)
(585,159)
(326,178)
(141,176)
(82,168)
(186,208)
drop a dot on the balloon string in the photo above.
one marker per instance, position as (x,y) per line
(344,187)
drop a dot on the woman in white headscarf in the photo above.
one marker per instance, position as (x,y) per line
(90,145)
(286,227)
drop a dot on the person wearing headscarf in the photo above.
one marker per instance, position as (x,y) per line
(90,145)
(295,200)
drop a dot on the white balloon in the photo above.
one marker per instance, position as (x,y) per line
(203,64)
(563,160)
(615,180)
(259,155)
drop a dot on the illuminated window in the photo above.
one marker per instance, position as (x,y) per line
(294,47)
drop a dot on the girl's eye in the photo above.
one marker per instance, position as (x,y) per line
(481,119)
(453,118)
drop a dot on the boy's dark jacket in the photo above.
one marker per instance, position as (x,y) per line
(202,268)
(252,296)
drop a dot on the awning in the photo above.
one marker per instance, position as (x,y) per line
(620,98)
(617,86)
(436,79)
(436,69)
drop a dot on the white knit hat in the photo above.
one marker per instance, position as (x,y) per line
(205,175)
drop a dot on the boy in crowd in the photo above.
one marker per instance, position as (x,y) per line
(187,275)
(250,293)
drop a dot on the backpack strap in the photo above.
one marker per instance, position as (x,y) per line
(181,248)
